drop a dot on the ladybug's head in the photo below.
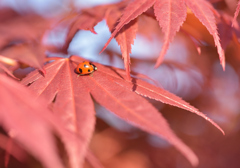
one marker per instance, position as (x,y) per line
(94,67)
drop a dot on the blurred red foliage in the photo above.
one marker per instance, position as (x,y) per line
(59,129)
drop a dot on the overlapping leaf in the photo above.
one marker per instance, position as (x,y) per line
(29,122)
(71,95)
(26,31)
(124,37)
(171,14)
(15,27)
(88,19)
(8,145)
(85,21)
(5,69)
(236,12)
(30,54)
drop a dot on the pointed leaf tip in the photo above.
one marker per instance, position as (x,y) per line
(202,10)
(103,48)
(236,13)
(93,31)
(43,71)
(215,124)
(162,53)
(223,64)
(159,61)
(125,37)
(156,93)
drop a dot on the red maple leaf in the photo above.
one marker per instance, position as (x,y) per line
(30,54)
(21,37)
(171,15)
(124,37)
(72,94)
(30,123)
(86,20)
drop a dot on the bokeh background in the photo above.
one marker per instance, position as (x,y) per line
(191,70)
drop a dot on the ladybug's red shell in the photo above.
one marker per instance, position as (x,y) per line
(85,68)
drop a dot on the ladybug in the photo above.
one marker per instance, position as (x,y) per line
(85,68)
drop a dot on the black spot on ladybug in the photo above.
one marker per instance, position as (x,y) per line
(80,70)
(88,70)
(85,65)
